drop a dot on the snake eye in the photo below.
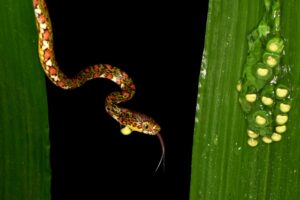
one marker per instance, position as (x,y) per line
(145,125)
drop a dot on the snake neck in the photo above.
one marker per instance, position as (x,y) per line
(122,115)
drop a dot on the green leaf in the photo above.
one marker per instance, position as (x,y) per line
(24,131)
(223,165)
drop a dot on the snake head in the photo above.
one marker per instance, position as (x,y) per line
(135,121)
(144,124)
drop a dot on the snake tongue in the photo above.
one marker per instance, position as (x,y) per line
(163,153)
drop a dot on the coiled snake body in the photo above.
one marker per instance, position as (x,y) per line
(130,120)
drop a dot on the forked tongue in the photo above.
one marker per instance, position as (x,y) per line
(163,152)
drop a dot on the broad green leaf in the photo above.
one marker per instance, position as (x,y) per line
(24,131)
(223,165)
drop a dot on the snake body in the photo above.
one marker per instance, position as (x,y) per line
(128,119)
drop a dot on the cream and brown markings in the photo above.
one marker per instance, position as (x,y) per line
(130,120)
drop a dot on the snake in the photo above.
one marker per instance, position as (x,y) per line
(128,119)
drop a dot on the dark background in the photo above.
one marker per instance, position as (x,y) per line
(160,46)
